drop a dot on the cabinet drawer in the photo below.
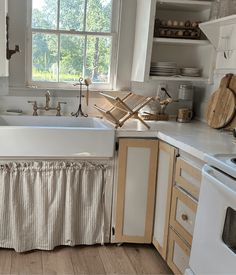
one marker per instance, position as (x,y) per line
(178,253)
(188,177)
(183,214)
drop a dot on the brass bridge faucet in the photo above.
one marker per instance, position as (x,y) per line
(47,105)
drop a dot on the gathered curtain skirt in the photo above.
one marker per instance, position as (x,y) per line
(50,203)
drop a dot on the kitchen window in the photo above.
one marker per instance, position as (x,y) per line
(69,39)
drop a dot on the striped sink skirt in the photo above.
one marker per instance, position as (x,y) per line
(44,204)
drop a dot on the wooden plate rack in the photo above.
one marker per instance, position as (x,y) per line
(124,108)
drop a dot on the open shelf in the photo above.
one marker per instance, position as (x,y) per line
(212,28)
(180,78)
(184,5)
(180,41)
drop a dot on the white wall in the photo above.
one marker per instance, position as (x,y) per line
(223,66)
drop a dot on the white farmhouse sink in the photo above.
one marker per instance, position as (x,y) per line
(53,137)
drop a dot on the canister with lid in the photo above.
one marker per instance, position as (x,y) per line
(185,92)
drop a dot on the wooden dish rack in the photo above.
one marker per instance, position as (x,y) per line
(124,108)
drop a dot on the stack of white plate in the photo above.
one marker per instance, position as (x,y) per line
(192,72)
(164,69)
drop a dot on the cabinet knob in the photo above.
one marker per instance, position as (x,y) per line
(184,217)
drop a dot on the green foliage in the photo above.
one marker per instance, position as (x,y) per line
(72,47)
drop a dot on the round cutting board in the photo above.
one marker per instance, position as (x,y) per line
(221,108)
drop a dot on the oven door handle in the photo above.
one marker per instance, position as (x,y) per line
(221,181)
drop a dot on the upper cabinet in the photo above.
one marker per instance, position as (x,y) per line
(213,29)
(3,59)
(167,31)
(221,33)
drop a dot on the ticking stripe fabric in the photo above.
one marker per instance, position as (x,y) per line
(50,203)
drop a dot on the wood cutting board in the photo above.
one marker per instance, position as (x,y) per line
(221,106)
(232,84)
(232,87)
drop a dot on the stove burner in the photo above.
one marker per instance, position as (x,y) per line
(233,160)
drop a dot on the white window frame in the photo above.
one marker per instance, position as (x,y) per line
(114,34)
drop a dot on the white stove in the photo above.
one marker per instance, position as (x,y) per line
(223,162)
(214,240)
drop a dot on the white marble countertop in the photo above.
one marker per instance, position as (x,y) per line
(195,138)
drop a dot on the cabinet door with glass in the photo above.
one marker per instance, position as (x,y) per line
(165,170)
(137,162)
(3,59)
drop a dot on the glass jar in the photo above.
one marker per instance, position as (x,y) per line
(185,92)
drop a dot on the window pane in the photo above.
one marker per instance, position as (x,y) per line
(44,57)
(71,58)
(44,14)
(99,14)
(72,15)
(98,58)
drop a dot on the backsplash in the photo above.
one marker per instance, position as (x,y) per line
(146,89)
(150,89)
(4,86)
(21,102)
(12,101)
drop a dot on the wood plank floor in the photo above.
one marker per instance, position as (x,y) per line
(109,259)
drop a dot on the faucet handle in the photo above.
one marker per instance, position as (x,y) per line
(35,107)
(59,107)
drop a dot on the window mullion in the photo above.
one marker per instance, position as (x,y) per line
(29,48)
(58,56)
(85,54)
(85,37)
(73,32)
(58,13)
(58,40)
(85,14)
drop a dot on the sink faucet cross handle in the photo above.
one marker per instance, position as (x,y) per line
(35,107)
(59,107)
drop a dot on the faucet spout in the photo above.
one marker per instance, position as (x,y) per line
(48,97)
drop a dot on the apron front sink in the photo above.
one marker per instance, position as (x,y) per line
(55,137)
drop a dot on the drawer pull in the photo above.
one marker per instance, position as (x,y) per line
(184,217)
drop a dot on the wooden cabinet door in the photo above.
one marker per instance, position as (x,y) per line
(165,169)
(145,19)
(137,162)
(3,60)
